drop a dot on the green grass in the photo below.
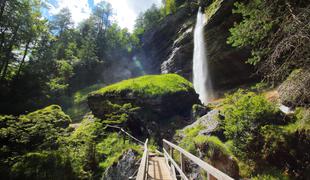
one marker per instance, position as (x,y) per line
(113,147)
(149,85)
(79,102)
(81,95)
(212,8)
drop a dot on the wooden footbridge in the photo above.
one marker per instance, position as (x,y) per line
(165,167)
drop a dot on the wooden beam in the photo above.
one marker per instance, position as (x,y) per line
(142,172)
(207,167)
(183,176)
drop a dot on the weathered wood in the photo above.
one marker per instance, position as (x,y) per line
(143,168)
(182,162)
(212,171)
(173,163)
(158,169)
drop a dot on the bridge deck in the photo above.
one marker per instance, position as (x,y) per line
(158,169)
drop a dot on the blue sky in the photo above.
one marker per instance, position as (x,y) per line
(126,11)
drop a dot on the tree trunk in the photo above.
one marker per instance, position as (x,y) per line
(2,6)
(8,55)
(23,60)
(5,69)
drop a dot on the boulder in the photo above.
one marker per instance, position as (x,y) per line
(153,105)
(295,90)
(124,168)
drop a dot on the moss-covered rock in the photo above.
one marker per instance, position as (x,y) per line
(295,90)
(29,144)
(209,148)
(146,104)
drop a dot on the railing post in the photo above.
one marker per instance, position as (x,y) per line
(171,152)
(182,162)
(212,172)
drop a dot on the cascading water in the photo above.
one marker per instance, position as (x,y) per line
(201,77)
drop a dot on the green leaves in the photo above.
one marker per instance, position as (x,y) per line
(245,113)
(255,26)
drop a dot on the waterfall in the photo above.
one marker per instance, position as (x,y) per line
(201,77)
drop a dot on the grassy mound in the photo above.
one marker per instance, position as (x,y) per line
(149,85)
(30,143)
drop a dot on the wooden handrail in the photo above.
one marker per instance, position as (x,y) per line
(205,166)
(142,172)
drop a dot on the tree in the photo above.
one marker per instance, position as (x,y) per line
(148,19)
(278,34)
(170,7)
(62,21)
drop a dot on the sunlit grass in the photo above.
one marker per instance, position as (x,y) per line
(149,85)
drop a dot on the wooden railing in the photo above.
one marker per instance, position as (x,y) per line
(211,171)
(143,168)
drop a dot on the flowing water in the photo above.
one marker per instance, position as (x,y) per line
(201,77)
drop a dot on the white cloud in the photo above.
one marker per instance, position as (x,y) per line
(79,9)
(126,11)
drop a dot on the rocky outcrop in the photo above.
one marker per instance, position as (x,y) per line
(180,59)
(207,147)
(158,41)
(295,90)
(168,48)
(227,64)
(154,105)
(124,168)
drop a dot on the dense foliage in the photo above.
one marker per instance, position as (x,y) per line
(41,145)
(30,143)
(278,33)
(45,61)
(245,113)
(262,137)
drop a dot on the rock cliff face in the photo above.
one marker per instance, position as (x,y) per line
(168,48)
(124,168)
(158,41)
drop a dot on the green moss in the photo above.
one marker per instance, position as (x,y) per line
(149,85)
(78,101)
(213,143)
(212,8)
(187,141)
(53,114)
(112,147)
(81,95)
(302,116)
(29,144)
(119,113)
(93,149)
(43,165)
(271,174)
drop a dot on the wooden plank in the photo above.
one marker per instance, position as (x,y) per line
(158,169)
(142,172)
(207,167)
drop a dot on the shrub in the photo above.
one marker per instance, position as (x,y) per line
(245,113)
(29,144)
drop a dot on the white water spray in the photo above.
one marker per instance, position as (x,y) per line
(201,77)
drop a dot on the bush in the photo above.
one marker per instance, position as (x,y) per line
(245,113)
(263,138)
(29,144)
(277,32)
